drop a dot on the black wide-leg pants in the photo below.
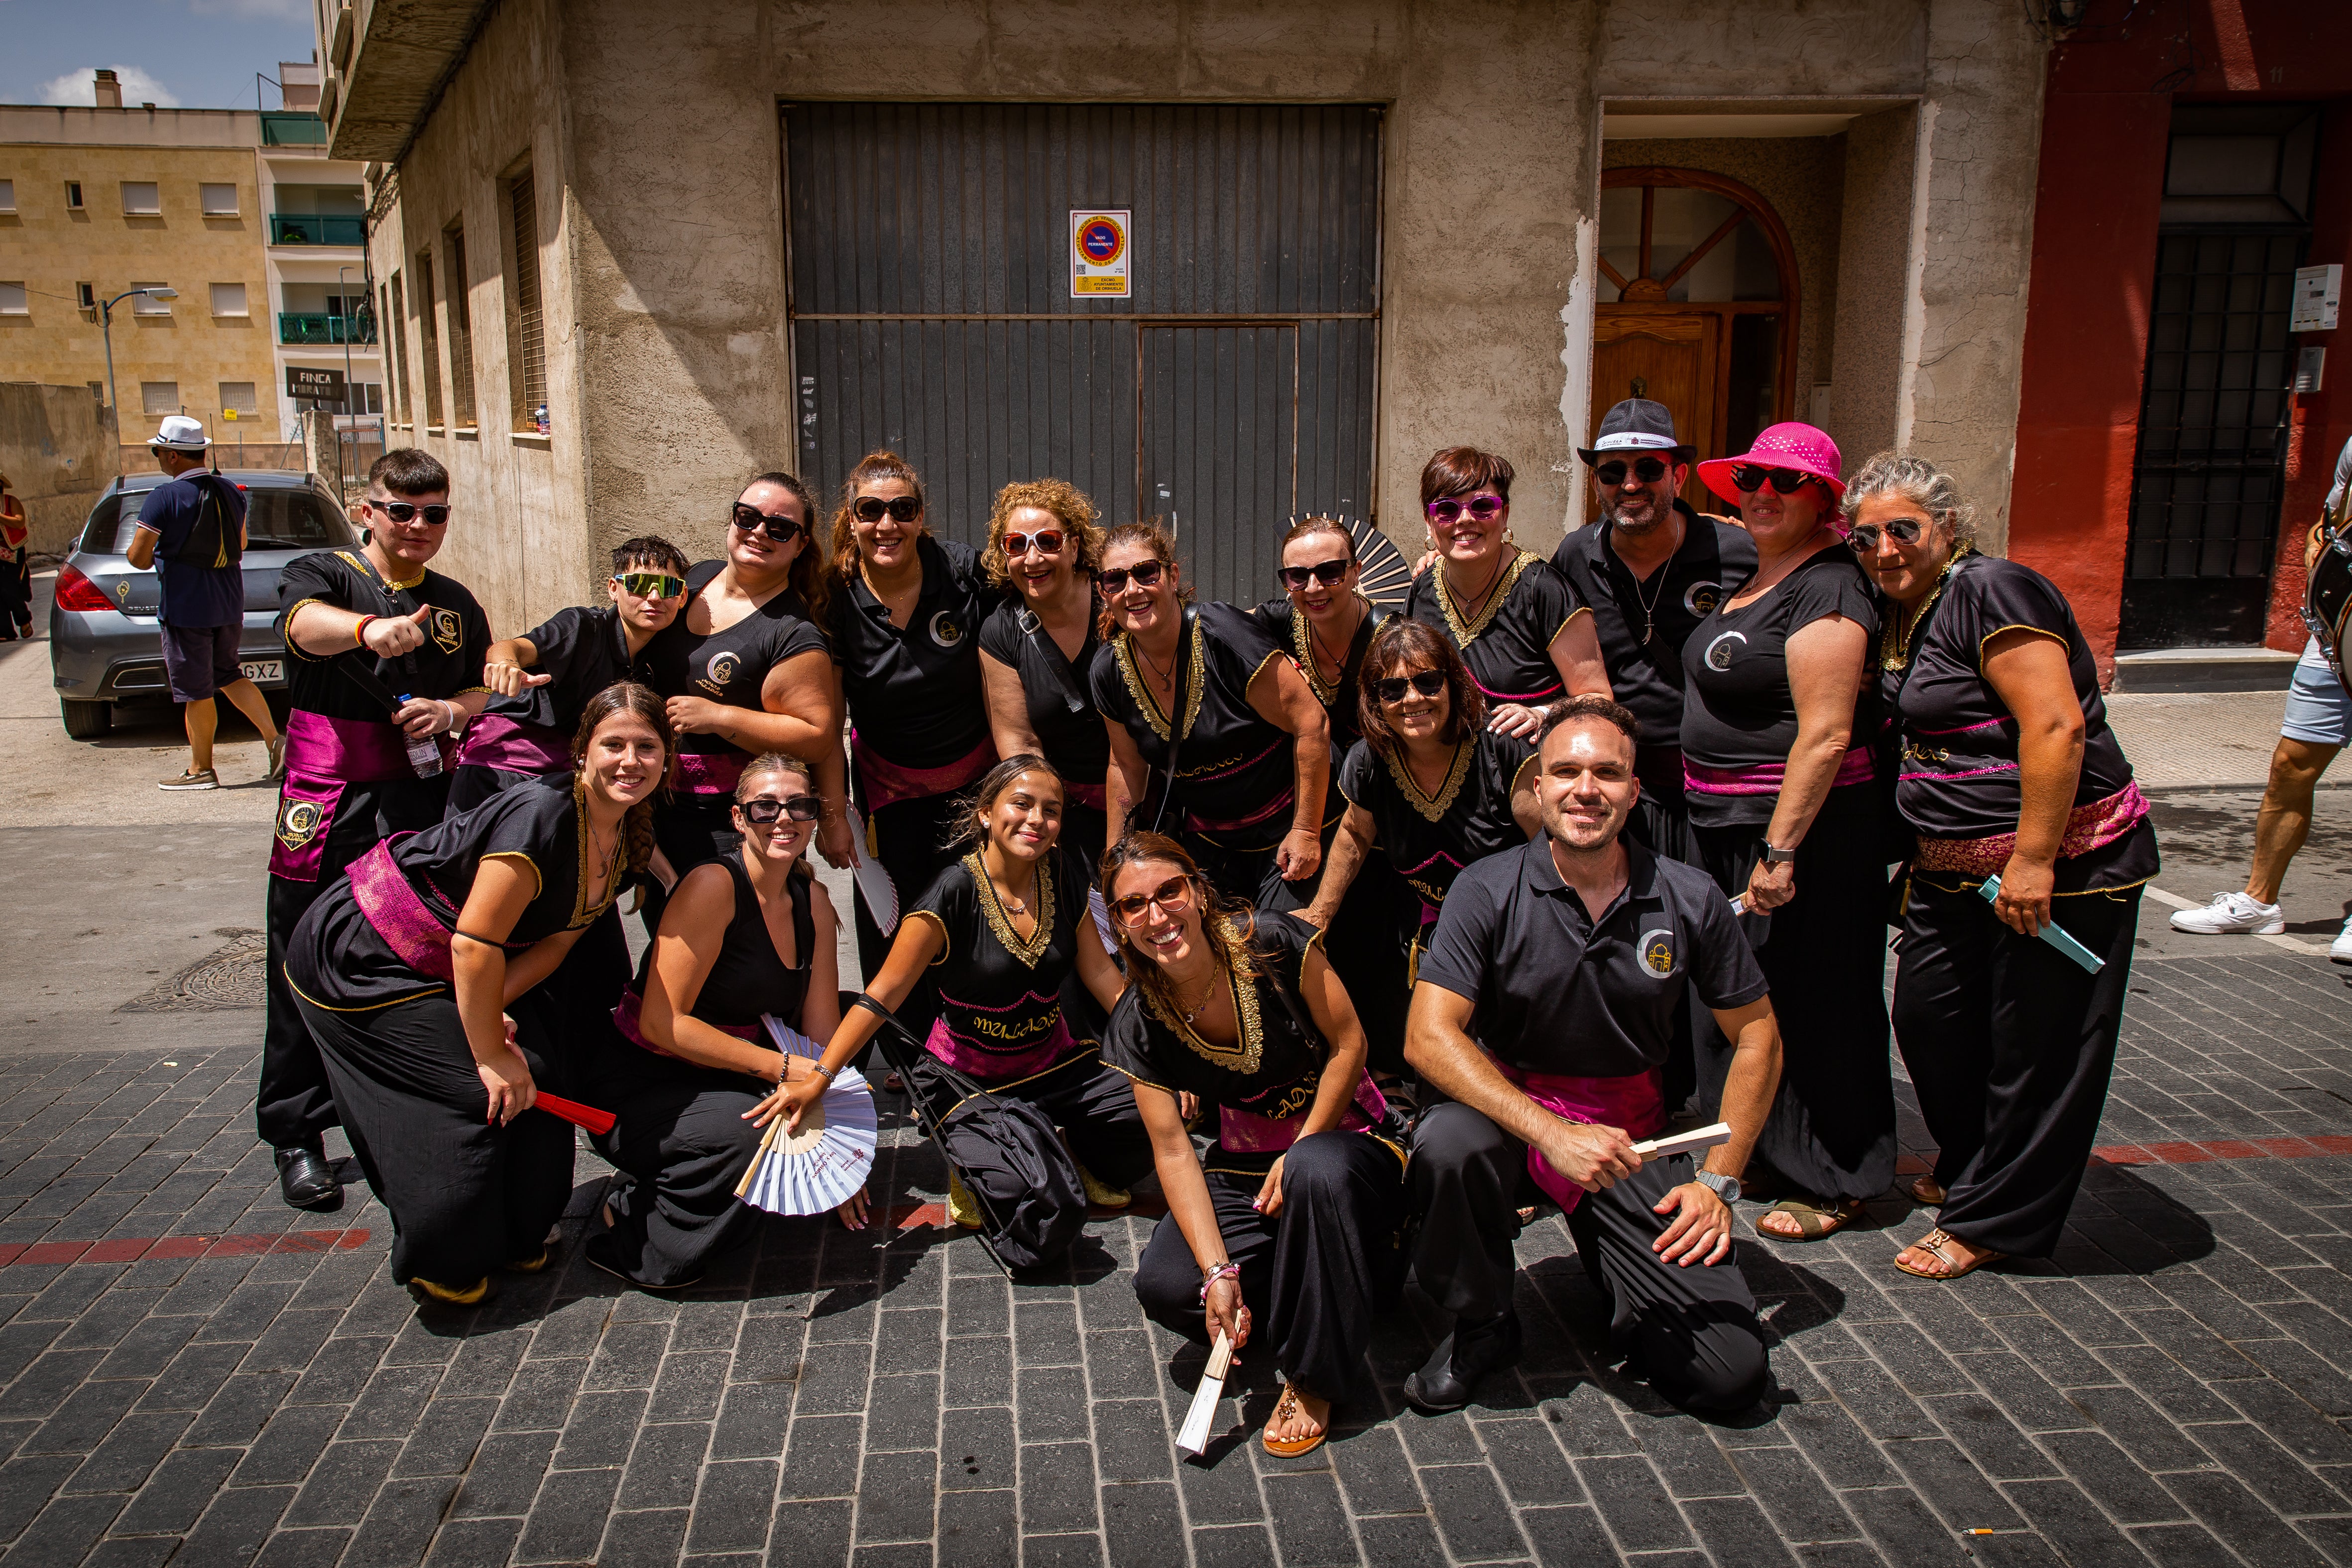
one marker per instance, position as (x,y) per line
(1314,1276)
(1093,1105)
(2010,1045)
(465,1196)
(293,1105)
(1694,1328)
(681,1137)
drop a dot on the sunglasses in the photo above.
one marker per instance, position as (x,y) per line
(1649,470)
(902,509)
(782,529)
(1484,508)
(1428,683)
(1902,530)
(1324,571)
(1145,573)
(650,584)
(764,809)
(1753,477)
(402,511)
(1171,896)
(1044,542)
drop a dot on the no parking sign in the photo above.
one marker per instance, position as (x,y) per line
(1099,254)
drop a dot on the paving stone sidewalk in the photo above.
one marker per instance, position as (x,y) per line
(2174,1388)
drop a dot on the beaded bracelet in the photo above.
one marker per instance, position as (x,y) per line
(1221,1271)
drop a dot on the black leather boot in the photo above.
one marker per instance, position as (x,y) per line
(306,1180)
(1472,1350)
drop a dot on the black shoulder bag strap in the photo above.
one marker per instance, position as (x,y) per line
(1189,626)
(1033,628)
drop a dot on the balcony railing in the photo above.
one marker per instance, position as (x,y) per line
(292,128)
(316,228)
(297,327)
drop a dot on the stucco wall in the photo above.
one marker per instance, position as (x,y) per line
(56,450)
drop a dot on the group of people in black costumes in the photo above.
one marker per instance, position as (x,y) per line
(1422,919)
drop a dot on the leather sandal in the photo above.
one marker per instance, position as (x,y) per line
(1814,1220)
(1926,1192)
(1933,1242)
(1291,1447)
(444,1296)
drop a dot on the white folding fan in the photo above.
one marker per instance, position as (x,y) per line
(815,1170)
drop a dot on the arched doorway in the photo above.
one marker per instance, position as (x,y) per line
(1704,314)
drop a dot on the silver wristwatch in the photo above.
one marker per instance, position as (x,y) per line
(1725,1187)
(1778,856)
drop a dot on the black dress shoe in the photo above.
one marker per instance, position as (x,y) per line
(306,1179)
(1472,1350)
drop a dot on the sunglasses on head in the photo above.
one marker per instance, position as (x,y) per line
(764,809)
(901,508)
(1484,508)
(402,511)
(1044,542)
(1324,571)
(650,584)
(1390,691)
(1145,573)
(1753,477)
(782,529)
(1902,530)
(1649,470)
(1171,896)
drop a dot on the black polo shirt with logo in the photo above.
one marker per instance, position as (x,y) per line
(1647,674)
(915,692)
(1556,990)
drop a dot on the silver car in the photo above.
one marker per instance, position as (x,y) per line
(105,645)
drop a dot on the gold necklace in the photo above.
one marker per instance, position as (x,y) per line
(1894,638)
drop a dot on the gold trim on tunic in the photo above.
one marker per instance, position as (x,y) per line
(1123,649)
(1496,600)
(1000,919)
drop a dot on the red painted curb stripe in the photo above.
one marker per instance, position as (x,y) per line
(135,1248)
(2222,1148)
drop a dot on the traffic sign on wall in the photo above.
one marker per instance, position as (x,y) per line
(1099,254)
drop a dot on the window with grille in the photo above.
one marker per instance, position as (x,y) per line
(428,337)
(237,397)
(461,331)
(527,350)
(159,398)
(396,312)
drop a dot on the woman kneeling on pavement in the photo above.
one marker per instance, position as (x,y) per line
(1000,932)
(1298,1206)
(746,935)
(403,970)
(2009,769)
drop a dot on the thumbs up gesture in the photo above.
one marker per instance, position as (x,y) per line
(389,636)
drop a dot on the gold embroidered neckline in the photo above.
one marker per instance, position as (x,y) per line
(1464,636)
(581,913)
(1894,638)
(1302,645)
(1249,1046)
(1432,807)
(1145,703)
(367,569)
(1001,921)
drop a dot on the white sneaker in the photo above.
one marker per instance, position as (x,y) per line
(2340,949)
(2231,914)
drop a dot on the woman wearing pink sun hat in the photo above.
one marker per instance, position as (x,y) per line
(1788,817)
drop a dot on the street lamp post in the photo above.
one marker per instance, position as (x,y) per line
(106,327)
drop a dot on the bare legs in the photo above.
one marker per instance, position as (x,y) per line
(2286,818)
(203,719)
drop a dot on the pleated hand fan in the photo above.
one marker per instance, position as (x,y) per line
(873,883)
(1386,573)
(815,1170)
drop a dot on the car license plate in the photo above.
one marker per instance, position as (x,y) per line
(263,669)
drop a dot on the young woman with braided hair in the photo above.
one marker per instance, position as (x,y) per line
(404,971)
(748,934)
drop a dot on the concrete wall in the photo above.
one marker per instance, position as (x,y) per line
(57,450)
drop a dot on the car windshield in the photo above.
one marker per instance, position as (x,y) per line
(275,519)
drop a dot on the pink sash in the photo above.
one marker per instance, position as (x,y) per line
(1247,1133)
(707,773)
(1632,1102)
(398,915)
(322,755)
(999,1066)
(1090,795)
(886,784)
(2089,826)
(627,1018)
(1766,778)
(495,740)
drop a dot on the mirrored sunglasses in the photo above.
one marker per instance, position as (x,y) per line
(650,584)
(1485,509)
(402,511)
(1902,530)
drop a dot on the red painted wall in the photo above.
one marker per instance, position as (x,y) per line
(2316,435)
(2106,115)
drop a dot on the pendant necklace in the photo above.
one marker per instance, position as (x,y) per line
(1649,609)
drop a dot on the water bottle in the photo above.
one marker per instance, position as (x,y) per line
(424,751)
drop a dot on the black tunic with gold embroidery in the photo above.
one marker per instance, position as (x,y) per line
(1000,997)
(448,663)
(1429,838)
(1280,620)
(1507,642)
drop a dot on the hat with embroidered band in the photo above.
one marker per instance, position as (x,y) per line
(181,434)
(1635,425)
(1789,446)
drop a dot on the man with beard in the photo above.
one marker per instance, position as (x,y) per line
(1651,569)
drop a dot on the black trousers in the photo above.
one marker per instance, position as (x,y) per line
(2010,1045)
(904,835)
(1314,1276)
(294,1104)
(1093,1105)
(681,1137)
(1831,1130)
(1694,1329)
(465,1196)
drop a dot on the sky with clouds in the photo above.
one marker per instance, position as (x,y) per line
(193,54)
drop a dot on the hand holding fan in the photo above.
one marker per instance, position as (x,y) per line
(816,1169)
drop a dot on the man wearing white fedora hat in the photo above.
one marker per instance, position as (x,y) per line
(192,532)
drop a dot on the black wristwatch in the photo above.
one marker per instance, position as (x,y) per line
(1778,856)
(1725,1187)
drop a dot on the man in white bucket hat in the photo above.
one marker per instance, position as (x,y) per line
(192,532)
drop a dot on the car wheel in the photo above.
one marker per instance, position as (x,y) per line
(86,720)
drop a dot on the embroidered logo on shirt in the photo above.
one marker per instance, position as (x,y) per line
(946,630)
(448,631)
(297,823)
(1658,953)
(1701,598)
(1720,653)
(719,672)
